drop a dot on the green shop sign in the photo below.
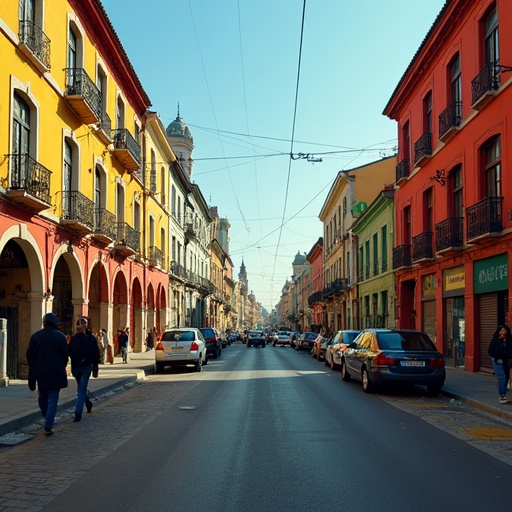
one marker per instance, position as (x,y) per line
(491,274)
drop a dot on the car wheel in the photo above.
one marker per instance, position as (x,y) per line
(344,372)
(159,367)
(365,377)
(205,360)
(198,365)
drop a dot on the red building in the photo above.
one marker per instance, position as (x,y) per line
(316,304)
(453,203)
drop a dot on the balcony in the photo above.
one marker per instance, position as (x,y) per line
(449,121)
(127,240)
(77,212)
(423,149)
(314,298)
(105,226)
(34,45)
(155,257)
(485,218)
(401,257)
(30,182)
(450,234)
(105,128)
(422,247)
(178,270)
(83,96)
(190,232)
(402,170)
(126,149)
(485,85)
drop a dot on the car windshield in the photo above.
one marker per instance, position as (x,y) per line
(178,336)
(254,334)
(405,341)
(208,333)
(310,336)
(349,337)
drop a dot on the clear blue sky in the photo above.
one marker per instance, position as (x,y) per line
(232,66)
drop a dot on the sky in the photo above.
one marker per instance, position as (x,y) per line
(269,88)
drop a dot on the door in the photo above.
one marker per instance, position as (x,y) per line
(20,142)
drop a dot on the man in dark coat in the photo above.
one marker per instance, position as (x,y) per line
(85,357)
(47,357)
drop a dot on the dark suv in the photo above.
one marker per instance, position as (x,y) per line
(213,341)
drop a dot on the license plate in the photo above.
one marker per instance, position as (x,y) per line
(412,363)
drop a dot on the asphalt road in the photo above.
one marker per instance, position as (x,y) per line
(257,430)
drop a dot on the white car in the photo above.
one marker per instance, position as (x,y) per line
(182,346)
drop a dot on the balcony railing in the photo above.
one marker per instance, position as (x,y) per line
(423,147)
(401,256)
(128,238)
(77,210)
(485,217)
(29,180)
(178,270)
(403,169)
(488,80)
(155,257)
(314,298)
(83,95)
(422,247)
(450,118)
(105,225)
(450,234)
(126,148)
(36,41)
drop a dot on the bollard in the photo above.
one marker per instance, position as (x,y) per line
(4,380)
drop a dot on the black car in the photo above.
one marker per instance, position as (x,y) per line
(256,339)
(306,341)
(380,356)
(213,341)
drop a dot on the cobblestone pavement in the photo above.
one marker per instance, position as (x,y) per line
(34,473)
(484,431)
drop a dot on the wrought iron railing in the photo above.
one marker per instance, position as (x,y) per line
(36,40)
(450,117)
(178,270)
(450,233)
(486,81)
(314,297)
(29,175)
(77,207)
(485,217)
(105,223)
(422,246)
(401,256)
(128,236)
(403,169)
(106,123)
(423,146)
(155,256)
(78,83)
(123,139)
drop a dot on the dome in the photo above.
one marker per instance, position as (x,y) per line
(179,129)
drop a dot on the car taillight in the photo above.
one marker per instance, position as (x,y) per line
(194,346)
(382,360)
(438,362)
(159,346)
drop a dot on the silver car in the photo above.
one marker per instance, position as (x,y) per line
(182,346)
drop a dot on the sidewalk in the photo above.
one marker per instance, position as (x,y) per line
(18,405)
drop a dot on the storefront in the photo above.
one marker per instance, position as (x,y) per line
(454,282)
(491,290)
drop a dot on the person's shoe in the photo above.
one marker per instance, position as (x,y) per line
(503,400)
(78,418)
(88,406)
(48,431)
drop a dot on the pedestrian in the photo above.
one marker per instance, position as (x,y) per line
(500,350)
(47,357)
(150,340)
(85,357)
(130,346)
(105,344)
(123,344)
(109,347)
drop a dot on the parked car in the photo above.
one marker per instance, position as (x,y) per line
(319,347)
(256,339)
(181,347)
(294,337)
(379,356)
(283,338)
(213,340)
(306,341)
(339,342)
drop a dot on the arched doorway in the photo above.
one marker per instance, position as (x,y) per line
(98,298)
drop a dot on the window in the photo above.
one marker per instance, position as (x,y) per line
(375,254)
(367,258)
(428,221)
(21,126)
(152,178)
(163,242)
(456,189)
(163,197)
(407,225)
(406,141)
(455,80)
(427,113)
(384,247)
(72,49)
(492,168)
(120,200)
(491,38)
(173,201)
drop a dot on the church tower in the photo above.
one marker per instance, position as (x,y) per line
(182,143)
